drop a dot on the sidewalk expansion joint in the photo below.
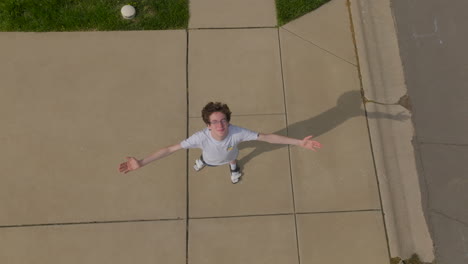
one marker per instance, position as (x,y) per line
(284,214)
(237,216)
(93,222)
(327,51)
(339,212)
(223,28)
(187,162)
(289,147)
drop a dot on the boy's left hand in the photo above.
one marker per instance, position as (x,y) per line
(310,144)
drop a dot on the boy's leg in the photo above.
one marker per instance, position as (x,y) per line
(233,164)
(235,171)
(199,164)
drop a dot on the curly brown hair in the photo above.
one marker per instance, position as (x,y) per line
(211,108)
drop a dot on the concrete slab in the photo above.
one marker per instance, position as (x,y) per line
(69,118)
(314,75)
(229,14)
(265,187)
(323,99)
(339,177)
(342,237)
(239,66)
(264,239)
(446,177)
(327,27)
(143,242)
(377,48)
(392,135)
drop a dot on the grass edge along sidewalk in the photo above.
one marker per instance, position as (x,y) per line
(288,10)
(91,15)
(104,15)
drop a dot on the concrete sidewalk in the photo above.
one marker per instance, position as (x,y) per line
(75,104)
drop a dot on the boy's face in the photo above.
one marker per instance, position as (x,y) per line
(218,125)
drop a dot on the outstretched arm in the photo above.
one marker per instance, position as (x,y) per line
(133,163)
(277,139)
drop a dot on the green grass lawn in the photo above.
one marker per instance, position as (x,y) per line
(91,15)
(104,15)
(288,10)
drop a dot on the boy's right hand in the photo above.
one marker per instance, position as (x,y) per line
(131,164)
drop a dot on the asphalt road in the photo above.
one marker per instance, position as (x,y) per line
(433,40)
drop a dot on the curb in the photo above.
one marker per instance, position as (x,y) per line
(390,127)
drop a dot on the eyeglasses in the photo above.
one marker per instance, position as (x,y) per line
(222,121)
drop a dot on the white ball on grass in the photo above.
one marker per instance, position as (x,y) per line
(128,11)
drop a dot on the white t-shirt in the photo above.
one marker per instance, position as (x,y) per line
(219,152)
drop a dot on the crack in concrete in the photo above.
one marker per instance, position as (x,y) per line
(450,217)
(404,101)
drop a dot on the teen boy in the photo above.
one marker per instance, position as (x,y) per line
(218,142)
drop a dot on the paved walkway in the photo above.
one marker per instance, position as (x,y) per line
(75,104)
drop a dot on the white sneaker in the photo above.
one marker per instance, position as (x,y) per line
(198,165)
(235,175)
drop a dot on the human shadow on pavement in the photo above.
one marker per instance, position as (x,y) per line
(348,106)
